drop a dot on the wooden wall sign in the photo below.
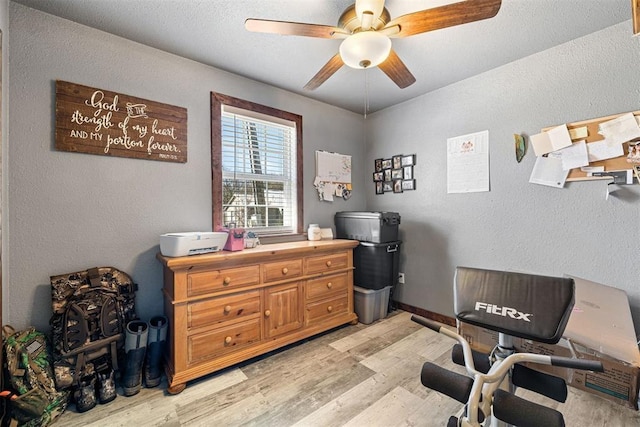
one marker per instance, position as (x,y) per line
(97,121)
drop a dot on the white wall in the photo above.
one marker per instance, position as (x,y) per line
(70,212)
(516,226)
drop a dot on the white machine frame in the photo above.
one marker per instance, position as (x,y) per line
(482,393)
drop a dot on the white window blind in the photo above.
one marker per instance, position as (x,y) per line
(258,172)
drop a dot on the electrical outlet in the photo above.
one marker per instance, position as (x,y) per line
(401,278)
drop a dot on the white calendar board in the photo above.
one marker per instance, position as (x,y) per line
(333,167)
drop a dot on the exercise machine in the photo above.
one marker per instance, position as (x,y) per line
(512,304)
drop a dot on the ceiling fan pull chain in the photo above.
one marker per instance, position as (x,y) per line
(366,92)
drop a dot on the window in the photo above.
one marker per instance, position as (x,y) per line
(256,162)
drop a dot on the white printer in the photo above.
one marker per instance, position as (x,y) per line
(192,243)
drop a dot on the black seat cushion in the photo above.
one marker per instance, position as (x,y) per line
(517,304)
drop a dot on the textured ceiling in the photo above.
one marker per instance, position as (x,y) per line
(212,32)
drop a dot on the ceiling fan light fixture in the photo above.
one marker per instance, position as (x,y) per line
(365,49)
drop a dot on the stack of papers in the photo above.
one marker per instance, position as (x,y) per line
(557,153)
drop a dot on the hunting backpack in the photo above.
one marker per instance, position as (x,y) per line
(31,395)
(90,311)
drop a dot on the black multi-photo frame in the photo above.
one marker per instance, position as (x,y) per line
(394,174)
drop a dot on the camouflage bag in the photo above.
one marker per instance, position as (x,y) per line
(33,399)
(90,311)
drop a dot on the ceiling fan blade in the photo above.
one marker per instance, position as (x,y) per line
(295,29)
(445,16)
(325,72)
(395,69)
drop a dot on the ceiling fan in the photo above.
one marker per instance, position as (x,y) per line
(367,28)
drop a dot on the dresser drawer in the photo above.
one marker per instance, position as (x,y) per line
(208,345)
(318,312)
(215,280)
(326,263)
(327,285)
(223,309)
(282,270)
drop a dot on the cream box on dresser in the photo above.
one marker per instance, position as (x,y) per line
(227,307)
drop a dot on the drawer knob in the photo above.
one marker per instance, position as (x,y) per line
(328,263)
(227,280)
(227,340)
(227,308)
(329,285)
(330,309)
(267,313)
(285,270)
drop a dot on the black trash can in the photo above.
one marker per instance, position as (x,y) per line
(376,264)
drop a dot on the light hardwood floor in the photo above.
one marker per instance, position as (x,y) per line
(356,375)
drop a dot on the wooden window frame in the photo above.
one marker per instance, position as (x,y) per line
(219,100)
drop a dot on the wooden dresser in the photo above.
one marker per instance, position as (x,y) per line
(226,307)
